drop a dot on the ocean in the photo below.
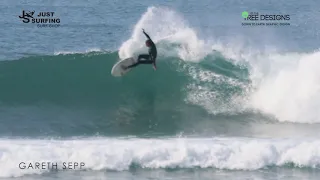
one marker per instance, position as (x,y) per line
(232,98)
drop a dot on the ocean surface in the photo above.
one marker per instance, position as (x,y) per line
(228,101)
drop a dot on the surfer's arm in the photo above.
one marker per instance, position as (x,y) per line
(146,34)
(151,57)
(153,61)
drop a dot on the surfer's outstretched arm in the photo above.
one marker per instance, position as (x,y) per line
(146,34)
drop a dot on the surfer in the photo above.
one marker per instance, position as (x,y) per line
(149,58)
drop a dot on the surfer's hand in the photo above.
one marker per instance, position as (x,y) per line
(143,30)
(154,66)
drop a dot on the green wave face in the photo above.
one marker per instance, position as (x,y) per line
(86,79)
(80,88)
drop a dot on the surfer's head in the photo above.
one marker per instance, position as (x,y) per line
(148,43)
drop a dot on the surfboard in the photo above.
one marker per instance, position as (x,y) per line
(117,69)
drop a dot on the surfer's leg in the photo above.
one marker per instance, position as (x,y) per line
(133,65)
(141,56)
(146,62)
(146,57)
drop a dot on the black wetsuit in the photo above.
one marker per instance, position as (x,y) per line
(149,58)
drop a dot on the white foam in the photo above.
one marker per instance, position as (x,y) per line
(78,52)
(288,86)
(284,85)
(169,30)
(118,154)
(203,92)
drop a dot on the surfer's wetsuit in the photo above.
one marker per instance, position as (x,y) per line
(149,58)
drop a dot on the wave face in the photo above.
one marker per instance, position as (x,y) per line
(81,79)
(86,79)
(81,88)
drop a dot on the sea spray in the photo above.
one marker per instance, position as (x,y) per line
(165,26)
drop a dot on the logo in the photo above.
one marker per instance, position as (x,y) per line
(52,165)
(259,19)
(41,19)
(245,14)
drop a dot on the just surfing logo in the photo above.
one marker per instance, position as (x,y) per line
(43,19)
(26,15)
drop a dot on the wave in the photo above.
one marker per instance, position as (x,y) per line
(81,89)
(79,77)
(284,85)
(121,154)
(219,78)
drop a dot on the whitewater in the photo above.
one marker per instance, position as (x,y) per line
(215,108)
(121,154)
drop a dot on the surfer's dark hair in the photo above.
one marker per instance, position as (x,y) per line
(148,42)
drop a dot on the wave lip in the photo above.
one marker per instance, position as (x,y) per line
(166,27)
(121,154)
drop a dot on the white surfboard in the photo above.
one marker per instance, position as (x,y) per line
(117,69)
